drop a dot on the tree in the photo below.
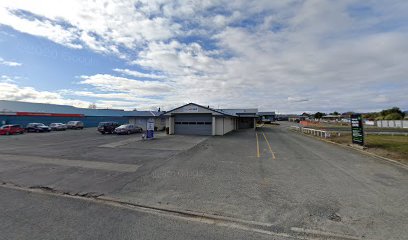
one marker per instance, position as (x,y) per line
(396,110)
(336,113)
(372,116)
(394,116)
(92,106)
(318,115)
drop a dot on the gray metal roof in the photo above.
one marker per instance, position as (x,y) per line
(17,106)
(266,113)
(195,104)
(240,112)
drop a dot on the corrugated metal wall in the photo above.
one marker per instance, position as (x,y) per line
(89,121)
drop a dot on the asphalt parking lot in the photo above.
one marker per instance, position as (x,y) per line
(84,160)
(271,178)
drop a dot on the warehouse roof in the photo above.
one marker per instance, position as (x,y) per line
(266,113)
(196,106)
(251,112)
(17,106)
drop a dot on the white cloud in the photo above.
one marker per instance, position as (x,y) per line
(297,99)
(9,63)
(109,83)
(138,74)
(14,92)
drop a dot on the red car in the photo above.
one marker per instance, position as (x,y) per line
(11,129)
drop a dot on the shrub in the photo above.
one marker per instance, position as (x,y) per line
(393,116)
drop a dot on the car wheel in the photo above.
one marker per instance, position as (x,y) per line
(7,133)
(103,132)
(37,131)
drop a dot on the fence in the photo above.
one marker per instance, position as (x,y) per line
(392,123)
(311,131)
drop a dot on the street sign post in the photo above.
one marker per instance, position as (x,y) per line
(357,132)
(150,128)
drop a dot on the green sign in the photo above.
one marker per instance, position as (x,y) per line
(357,132)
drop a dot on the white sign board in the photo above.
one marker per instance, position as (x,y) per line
(150,124)
(190,109)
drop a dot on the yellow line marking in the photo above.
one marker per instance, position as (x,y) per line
(269,146)
(257,146)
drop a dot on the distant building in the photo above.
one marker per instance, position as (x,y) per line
(267,117)
(16,112)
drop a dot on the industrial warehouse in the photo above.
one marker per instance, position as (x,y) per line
(189,119)
(22,113)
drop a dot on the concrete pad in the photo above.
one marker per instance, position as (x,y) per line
(167,142)
(119,167)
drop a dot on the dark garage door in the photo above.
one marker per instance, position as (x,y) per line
(193,124)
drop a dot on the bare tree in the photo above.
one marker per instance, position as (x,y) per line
(92,106)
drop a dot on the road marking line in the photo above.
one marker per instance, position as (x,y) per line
(269,146)
(257,145)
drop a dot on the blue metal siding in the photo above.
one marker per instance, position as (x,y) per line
(16,106)
(91,121)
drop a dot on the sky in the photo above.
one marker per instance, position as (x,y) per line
(289,56)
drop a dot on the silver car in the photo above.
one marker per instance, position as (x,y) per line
(75,125)
(127,129)
(58,127)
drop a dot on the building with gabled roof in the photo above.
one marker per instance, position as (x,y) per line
(194,119)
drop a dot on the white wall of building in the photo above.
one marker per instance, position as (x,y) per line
(224,125)
(229,125)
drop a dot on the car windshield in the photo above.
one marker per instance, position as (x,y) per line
(123,126)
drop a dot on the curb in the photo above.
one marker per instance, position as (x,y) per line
(394,162)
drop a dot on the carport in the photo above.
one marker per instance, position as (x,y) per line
(194,119)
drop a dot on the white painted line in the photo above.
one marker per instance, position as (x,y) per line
(118,167)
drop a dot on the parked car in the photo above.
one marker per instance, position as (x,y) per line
(107,127)
(58,127)
(75,125)
(128,129)
(37,127)
(11,129)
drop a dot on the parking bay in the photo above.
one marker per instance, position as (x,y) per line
(84,160)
